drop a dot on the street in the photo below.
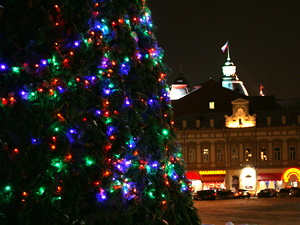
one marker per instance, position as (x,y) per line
(254,211)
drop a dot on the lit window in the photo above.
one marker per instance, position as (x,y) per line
(263,153)
(205,155)
(248,154)
(211,105)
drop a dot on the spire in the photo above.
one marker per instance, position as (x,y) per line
(261,92)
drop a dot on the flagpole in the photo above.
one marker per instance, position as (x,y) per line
(228,56)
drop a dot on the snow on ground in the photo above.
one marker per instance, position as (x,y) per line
(253,211)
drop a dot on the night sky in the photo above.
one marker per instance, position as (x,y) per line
(264,41)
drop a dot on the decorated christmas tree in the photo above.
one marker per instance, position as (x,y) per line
(86,132)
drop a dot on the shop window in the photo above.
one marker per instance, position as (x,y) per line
(234,155)
(292,153)
(263,153)
(277,153)
(248,154)
(205,155)
(220,155)
(294,184)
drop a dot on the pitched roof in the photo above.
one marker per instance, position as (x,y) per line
(197,101)
(195,106)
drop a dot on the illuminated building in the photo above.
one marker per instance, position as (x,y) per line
(231,140)
(240,115)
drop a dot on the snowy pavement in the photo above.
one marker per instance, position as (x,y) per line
(230,223)
(253,211)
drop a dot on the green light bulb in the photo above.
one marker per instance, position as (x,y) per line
(16,69)
(151,194)
(89,161)
(41,191)
(108,120)
(7,188)
(57,163)
(165,132)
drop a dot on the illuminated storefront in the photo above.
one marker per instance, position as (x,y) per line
(247,178)
(213,179)
(195,178)
(207,179)
(291,177)
(269,180)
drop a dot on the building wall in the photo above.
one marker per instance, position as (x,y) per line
(214,141)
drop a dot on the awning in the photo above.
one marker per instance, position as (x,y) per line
(191,175)
(213,178)
(268,176)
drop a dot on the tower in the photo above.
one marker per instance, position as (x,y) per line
(230,80)
(179,88)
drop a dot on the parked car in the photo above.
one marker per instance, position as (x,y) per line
(267,193)
(295,192)
(284,193)
(242,193)
(224,194)
(205,195)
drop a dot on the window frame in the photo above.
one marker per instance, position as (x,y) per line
(277,153)
(205,155)
(220,155)
(292,154)
(234,155)
(248,154)
(266,154)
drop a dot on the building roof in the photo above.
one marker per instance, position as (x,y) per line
(195,106)
(198,100)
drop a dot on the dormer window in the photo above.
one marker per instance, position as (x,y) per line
(240,115)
